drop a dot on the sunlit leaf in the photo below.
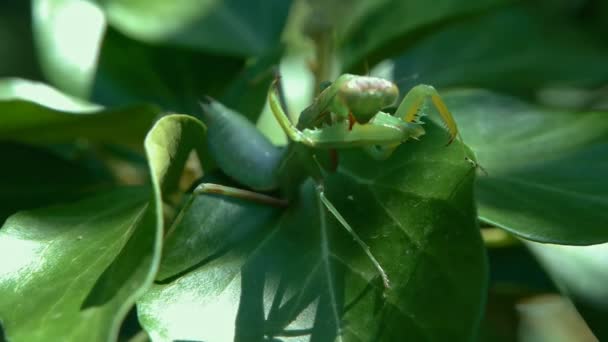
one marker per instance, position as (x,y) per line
(52,258)
(68,35)
(84,264)
(238,273)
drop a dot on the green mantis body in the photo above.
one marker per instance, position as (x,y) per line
(346,114)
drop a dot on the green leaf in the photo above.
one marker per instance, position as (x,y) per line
(146,76)
(16,42)
(67,35)
(509,50)
(580,272)
(382,30)
(545,175)
(102,274)
(178,86)
(25,186)
(229,27)
(83,57)
(36,113)
(51,259)
(168,146)
(240,274)
(183,249)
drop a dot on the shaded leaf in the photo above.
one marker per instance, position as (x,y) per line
(16,42)
(385,27)
(229,27)
(545,175)
(171,77)
(52,257)
(35,112)
(177,78)
(25,185)
(515,50)
(248,91)
(303,276)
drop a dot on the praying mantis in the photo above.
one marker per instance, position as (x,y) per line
(346,114)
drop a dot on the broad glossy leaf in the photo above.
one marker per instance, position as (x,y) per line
(581,273)
(185,248)
(381,30)
(51,259)
(515,50)
(302,277)
(68,34)
(546,169)
(94,292)
(34,112)
(168,145)
(229,27)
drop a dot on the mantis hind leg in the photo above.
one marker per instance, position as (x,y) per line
(211,188)
(217,189)
(330,207)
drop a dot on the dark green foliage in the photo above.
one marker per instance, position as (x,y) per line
(98,219)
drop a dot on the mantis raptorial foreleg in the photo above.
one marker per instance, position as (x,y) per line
(409,111)
(412,102)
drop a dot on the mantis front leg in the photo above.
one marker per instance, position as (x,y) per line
(412,102)
(409,111)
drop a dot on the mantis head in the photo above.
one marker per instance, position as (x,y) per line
(365,96)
